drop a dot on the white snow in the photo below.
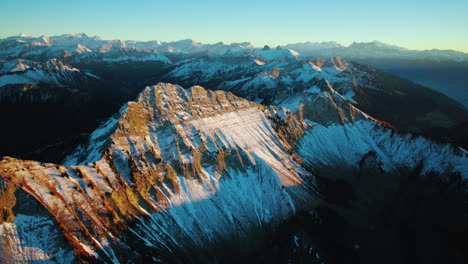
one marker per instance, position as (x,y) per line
(345,145)
(246,200)
(32,239)
(249,130)
(53,72)
(15,66)
(275,54)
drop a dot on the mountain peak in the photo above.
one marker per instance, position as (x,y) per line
(155,163)
(315,45)
(24,35)
(175,104)
(374,44)
(79,35)
(155,106)
(189,42)
(270,54)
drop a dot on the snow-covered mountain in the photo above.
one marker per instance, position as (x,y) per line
(167,165)
(233,172)
(52,72)
(24,81)
(178,170)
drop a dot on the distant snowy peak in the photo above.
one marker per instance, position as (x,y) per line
(52,72)
(22,65)
(118,54)
(70,37)
(80,48)
(275,54)
(74,40)
(57,64)
(316,45)
(112,44)
(191,47)
(22,35)
(79,35)
(184,44)
(18,65)
(154,44)
(374,45)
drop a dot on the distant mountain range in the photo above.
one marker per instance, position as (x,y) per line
(442,70)
(80,46)
(445,71)
(73,44)
(81,43)
(376,50)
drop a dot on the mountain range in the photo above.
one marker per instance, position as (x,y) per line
(182,152)
(442,70)
(377,49)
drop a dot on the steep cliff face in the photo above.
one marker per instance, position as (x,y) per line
(175,169)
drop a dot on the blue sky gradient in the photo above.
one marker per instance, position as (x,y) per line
(413,24)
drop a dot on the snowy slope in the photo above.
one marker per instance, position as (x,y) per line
(347,145)
(32,239)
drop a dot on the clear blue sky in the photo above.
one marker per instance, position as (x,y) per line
(415,24)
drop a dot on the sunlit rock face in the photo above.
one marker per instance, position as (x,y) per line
(174,169)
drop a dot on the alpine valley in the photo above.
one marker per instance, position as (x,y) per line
(183,152)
